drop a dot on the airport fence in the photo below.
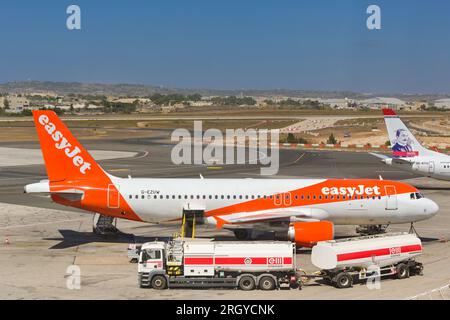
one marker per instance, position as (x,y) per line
(352,147)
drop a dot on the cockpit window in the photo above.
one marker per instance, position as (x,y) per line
(416,195)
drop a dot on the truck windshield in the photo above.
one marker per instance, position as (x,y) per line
(151,254)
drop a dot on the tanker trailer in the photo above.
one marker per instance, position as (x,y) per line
(344,261)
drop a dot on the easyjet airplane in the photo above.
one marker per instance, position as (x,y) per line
(303,209)
(409,155)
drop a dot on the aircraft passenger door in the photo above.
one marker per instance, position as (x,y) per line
(431,167)
(391,198)
(278,199)
(113,197)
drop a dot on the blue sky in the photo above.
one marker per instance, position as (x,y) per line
(310,45)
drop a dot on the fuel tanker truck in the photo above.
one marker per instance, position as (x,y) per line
(344,261)
(268,265)
(202,263)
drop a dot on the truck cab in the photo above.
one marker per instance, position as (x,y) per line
(152,262)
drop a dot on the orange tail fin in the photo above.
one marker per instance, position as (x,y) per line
(64,157)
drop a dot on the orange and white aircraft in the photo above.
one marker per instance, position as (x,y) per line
(304,209)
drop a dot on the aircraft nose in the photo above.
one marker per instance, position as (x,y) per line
(431,207)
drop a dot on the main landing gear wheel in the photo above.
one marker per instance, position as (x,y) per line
(242,234)
(367,230)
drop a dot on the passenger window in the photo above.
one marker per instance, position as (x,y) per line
(142,197)
(412,196)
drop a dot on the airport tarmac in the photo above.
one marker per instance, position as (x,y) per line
(45,238)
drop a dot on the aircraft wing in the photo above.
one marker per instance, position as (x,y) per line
(283,214)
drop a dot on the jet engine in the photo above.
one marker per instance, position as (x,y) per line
(307,234)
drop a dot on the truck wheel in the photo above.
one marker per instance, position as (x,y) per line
(267,283)
(247,283)
(159,282)
(344,280)
(402,271)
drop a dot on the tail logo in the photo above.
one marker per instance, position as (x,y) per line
(63,144)
(402,146)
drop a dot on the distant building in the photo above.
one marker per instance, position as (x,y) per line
(132,100)
(336,103)
(442,103)
(17,103)
(381,102)
(200,103)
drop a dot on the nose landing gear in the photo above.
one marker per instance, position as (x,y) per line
(412,229)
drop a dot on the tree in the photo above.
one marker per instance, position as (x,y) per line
(331,139)
(291,138)
(6,103)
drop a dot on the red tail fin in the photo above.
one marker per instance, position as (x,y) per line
(64,156)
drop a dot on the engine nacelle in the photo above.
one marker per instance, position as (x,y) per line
(307,234)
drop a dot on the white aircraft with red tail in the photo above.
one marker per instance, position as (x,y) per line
(408,154)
